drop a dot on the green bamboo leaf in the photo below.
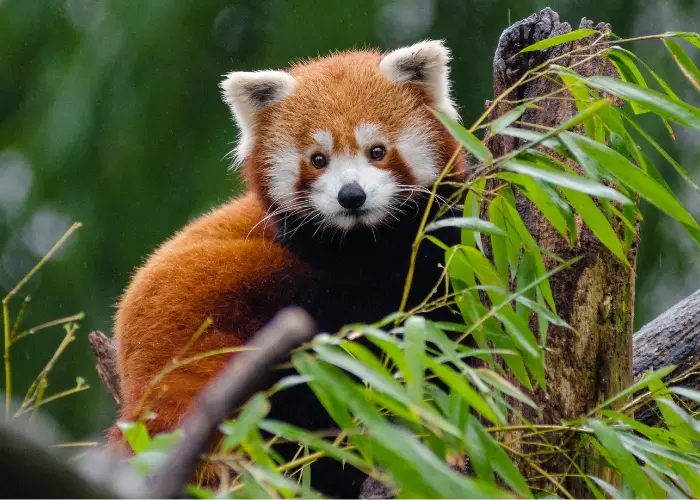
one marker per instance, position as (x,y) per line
(499,242)
(691,394)
(289,488)
(500,383)
(251,414)
(637,386)
(692,38)
(336,406)
(465,138)
(637,180)
(665,488)
(520,332)
(661,104)
(136,435)
(596,221)
(607,487)
(690,476)
(507,119)
(157,450)
(628,72)
(656,77)
(634,443)
(413,467)
(683,173)
(458,384)
(473,223)
(685,63)
(582,98)
(531,247)
(380,380)
(498,460)
(388,386)
(559,39)
(543,200)
(252,487)
(624,462)
(543,311)
(254,445)
(562,179)
(532,136)
(314,442)
(414,339)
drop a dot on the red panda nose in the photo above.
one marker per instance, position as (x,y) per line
(351,196)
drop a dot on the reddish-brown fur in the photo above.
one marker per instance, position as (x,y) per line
(226,265)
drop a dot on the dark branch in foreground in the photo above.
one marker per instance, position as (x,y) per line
(243,377)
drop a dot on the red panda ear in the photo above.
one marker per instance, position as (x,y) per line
(246,93)
(425,63)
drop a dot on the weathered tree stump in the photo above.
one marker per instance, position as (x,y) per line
(595,295)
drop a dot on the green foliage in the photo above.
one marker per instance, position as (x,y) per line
(416,403)
(395,421)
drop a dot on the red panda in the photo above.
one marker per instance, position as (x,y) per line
(338,153)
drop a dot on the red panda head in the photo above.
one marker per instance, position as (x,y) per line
(344,140)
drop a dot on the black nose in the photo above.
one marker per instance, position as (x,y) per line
(351,196)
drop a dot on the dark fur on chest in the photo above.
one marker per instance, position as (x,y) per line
(360,277)
(357,278)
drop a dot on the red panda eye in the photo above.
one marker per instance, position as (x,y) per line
(319,161)
(377,153)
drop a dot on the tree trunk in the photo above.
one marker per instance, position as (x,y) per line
(596,295)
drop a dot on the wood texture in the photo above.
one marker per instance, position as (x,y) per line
(596,295)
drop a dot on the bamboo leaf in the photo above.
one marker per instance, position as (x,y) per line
(624,462)
(637,180)
(507,119)
(685,63)
(236,430)
(559,39)
(637,386)
(663,153)
(465,138)
(543,200)
(500,383)
(661,104)
(473,223)
(458,384)
(497,458)
(314,442)
(136,435)
(414,339)
(628,72)
(597,222)
(562,179)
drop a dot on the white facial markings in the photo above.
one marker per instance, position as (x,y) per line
(367,135)
(417,150)
(283,173)
(324,139)
(379,186)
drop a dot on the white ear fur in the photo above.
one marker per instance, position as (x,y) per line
(425,63)
(247,93)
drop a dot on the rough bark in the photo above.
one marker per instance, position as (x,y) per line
(105,352)
(673,338)
(596,295)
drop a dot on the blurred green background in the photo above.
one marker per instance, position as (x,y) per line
(110,115)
